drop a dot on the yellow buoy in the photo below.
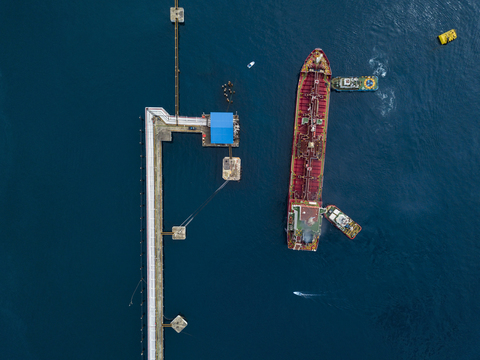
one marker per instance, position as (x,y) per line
(447,37)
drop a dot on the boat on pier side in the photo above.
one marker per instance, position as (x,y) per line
(308,153)
(360,83)
(342,221)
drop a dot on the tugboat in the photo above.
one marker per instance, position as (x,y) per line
(361,83)
(342,221)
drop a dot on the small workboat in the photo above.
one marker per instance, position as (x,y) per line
(251,64)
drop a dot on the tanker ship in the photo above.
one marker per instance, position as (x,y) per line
(308,153)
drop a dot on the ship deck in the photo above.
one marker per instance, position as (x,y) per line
(307,162)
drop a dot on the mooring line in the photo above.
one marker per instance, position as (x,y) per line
(189,219)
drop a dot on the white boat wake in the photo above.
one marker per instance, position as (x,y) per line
(299,293)
(326,298)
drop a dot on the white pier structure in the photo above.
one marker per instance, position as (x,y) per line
(168,119)
(150,186)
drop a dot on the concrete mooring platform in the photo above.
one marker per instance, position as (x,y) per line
(179,323)
(231,168)
(177,14)
(179,232)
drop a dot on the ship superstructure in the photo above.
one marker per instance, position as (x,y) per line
(308,153)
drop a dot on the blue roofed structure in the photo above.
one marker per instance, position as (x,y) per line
(221,128)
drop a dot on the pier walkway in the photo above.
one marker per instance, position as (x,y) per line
(154,268)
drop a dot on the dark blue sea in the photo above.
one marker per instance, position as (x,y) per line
(404,162)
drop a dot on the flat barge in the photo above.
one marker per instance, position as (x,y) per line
(308,153)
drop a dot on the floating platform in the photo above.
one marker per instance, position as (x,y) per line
(448,36)
(360,83)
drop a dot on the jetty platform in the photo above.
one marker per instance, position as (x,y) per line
(165,124)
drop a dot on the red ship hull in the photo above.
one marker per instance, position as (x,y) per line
(308,153)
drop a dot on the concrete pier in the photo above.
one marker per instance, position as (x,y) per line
(159,125)
(154,247)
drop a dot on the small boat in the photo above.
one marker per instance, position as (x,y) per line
(342,221)
(251,64)
(445,38)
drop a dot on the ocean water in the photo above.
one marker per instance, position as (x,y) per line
(403,162)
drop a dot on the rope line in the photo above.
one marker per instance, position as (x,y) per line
(189,219)
(131,299)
